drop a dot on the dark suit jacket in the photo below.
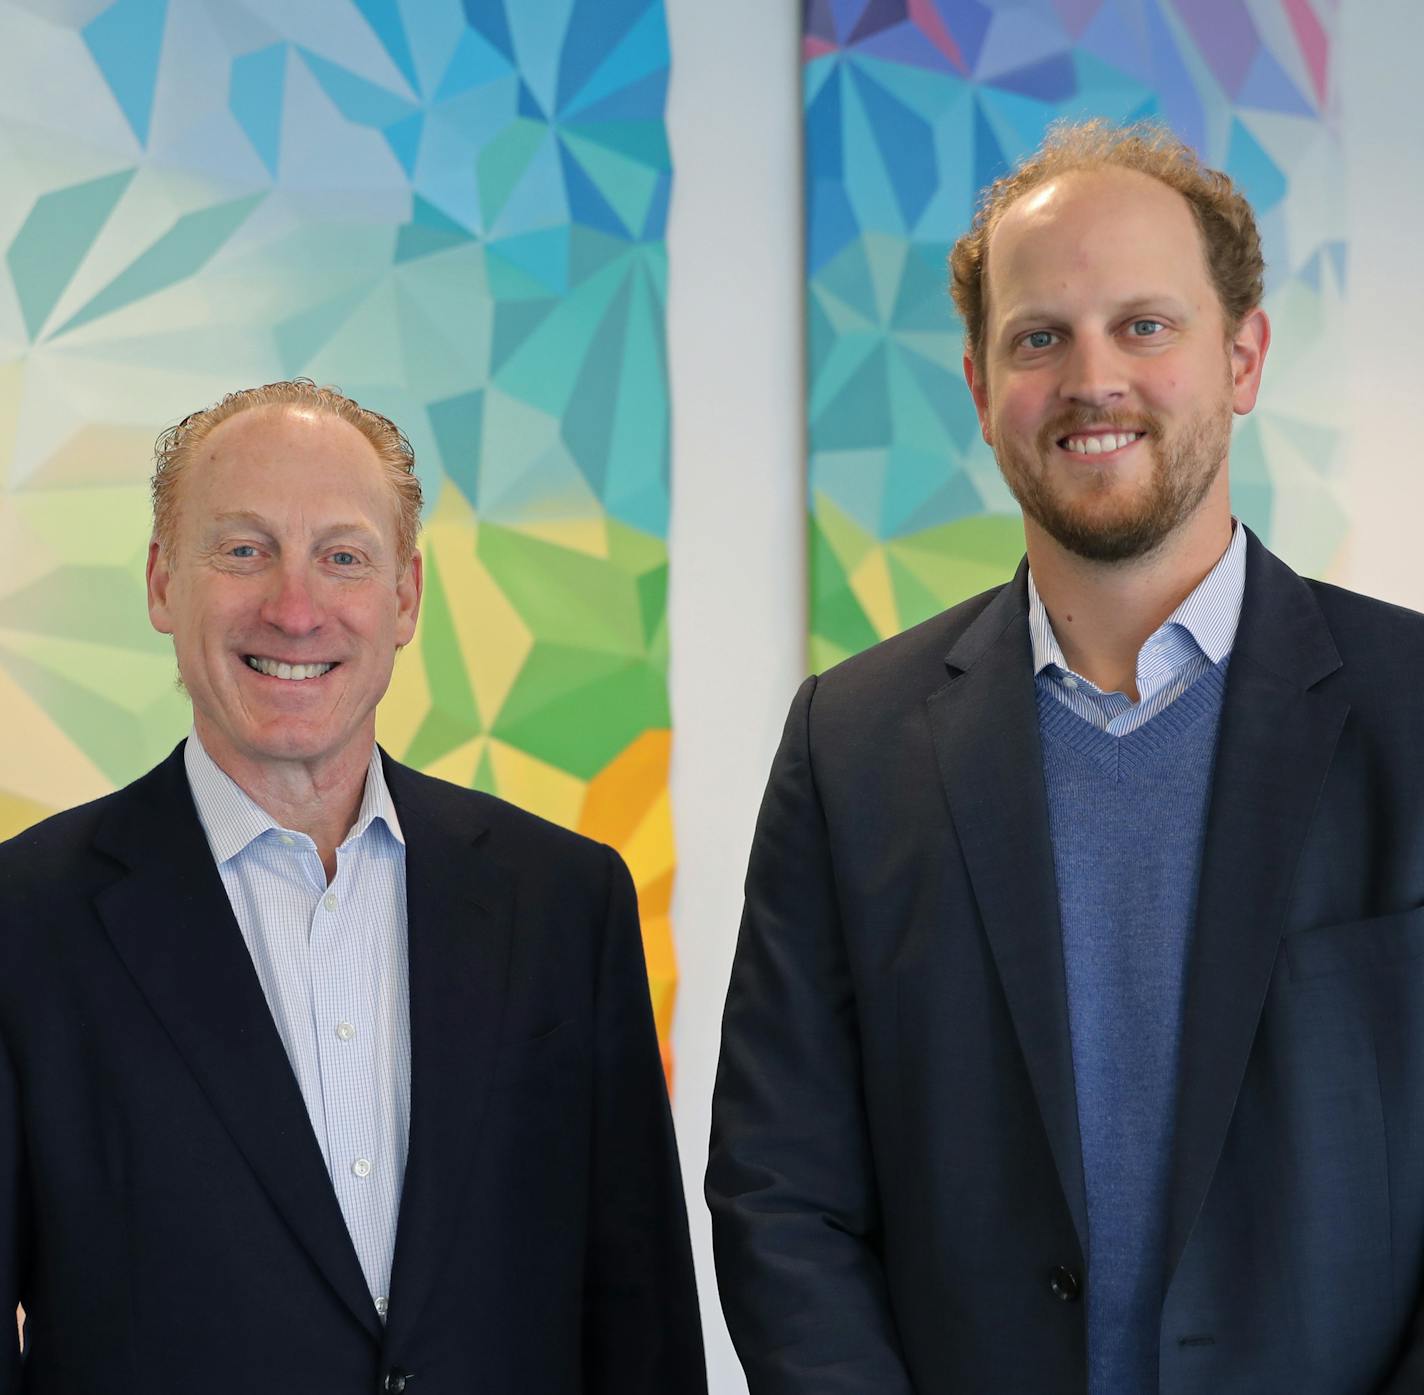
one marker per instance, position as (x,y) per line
(165,1215)
(896,1177)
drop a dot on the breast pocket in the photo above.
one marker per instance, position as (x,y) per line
(538,1062)
(1386,942)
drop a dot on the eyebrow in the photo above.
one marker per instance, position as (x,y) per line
(249,519)
(1137,304)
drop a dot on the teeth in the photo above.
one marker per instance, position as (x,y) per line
(273,669)
(1096,445)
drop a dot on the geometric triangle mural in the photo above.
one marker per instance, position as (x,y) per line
(912,106)
(452,211)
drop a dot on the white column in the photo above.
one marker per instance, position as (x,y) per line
(737,609)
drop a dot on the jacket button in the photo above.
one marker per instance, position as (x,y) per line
(395,1382)
(1064,1284)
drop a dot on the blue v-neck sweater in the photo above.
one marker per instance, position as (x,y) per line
(1127,817)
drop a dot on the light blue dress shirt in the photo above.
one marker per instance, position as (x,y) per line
(332,961)
(1198,634)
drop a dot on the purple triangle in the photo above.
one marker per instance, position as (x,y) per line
(1225,37)
(820,22)
(847,13)
(1076,14)
(1269,87)
(904,43)
(877,16)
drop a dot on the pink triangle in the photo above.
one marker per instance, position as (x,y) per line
(814,47)
(926,19)
(1314,45)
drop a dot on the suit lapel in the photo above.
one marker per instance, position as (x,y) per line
(1276,741)
(170,921)
(460,911)
(985,725)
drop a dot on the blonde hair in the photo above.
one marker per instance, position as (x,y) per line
(174,450)
(1231,241)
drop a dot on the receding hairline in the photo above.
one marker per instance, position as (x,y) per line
(1089,170)
(180,446)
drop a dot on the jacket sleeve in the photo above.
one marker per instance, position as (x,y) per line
(1408,1375)
(642,1331)
(790,1181)
(14,1221)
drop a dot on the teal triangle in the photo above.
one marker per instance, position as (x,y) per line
(181,252)
(55,238)
(1248,164)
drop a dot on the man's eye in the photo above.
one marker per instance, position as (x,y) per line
(1039,338)
(1144,329)
(243,550)
(345,559)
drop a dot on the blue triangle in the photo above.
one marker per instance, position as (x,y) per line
(824,147)
(256,89)
(831,224)
(586,204)
(906,142)
(529,103)
(403,137)
(127,41)
(487,18)
(594,31)
(473,64)
(384,17)
(1310,272)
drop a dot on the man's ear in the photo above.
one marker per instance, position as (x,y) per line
(409,590)
(159,575)
(979,391)
(1248,357)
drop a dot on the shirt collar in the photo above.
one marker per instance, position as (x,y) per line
(1210,614)
(231,819)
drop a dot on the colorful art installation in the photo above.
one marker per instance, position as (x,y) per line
(914,105)
(452,211)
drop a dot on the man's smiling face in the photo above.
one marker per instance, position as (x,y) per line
(1108,376)
(283,590)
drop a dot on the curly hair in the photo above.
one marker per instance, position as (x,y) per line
(1230,239)
(174,450)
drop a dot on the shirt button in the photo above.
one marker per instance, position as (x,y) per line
(381,1305)
(361,1167)
(329,901)
(286,839)
(345,1031)
(1069,681)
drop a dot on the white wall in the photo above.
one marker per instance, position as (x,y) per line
(737,600)
(1382,358)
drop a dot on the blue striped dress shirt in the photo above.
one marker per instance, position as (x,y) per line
(1198,634)
(332,961)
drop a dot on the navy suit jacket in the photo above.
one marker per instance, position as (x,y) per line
(165,1214)
(896,1175)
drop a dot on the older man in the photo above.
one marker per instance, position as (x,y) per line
(316,1074)
(1075,1040)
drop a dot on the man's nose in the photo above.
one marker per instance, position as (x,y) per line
(1094,373)
(292,603)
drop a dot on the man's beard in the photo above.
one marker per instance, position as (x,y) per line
(1183,471)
